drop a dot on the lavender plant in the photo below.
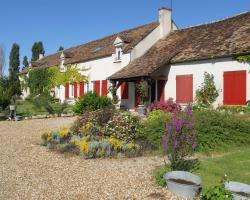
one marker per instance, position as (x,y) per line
(180,140)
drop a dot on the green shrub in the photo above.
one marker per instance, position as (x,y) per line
(155,127)
(234,109)
(158,175)
(122,126)
(91,101)
(218,193)
(217,130)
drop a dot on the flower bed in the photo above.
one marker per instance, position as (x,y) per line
(100,133)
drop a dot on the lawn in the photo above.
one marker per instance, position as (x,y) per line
(235,164)
(27,108)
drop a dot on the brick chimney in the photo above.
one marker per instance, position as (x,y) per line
(165,20)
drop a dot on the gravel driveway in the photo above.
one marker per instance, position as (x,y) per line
(29,171)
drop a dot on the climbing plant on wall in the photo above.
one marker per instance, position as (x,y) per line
(42,80)
(245,58)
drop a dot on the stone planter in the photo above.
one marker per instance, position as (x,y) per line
(142,110)
(240,191)
(18,118)
(183,183)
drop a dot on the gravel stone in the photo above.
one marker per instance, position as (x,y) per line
(29,171)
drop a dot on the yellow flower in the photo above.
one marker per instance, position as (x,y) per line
(115,142)
(131,146)
(43,134)
(84,146)
(49,137)
(63,132)
(87,126)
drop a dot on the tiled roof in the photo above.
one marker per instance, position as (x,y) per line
(219,39)
(99,48)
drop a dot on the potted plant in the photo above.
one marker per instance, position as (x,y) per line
(141,89)
(179,142)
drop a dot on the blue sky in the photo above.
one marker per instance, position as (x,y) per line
(73,22)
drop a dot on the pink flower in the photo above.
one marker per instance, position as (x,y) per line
(164,142)
(194,145)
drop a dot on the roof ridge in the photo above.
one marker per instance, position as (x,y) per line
(110,35)
(214,21)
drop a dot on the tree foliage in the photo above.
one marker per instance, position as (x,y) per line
(207,93)
(61,48)
(14,70)
(2,60)
(39,81)
(37,49)
(25,62)
(5,93)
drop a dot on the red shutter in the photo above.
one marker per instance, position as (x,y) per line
(234,88)
(161,92)
(124,90)
(104,87)
(75,90)
(97,87)
(184,88)
(67,90)
(81,89)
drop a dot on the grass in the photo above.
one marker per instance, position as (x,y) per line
(27,108)
(235,164)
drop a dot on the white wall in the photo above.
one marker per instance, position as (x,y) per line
(217,67)
(146,44)
(99,69)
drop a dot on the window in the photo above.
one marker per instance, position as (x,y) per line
(184,88)
(118,54)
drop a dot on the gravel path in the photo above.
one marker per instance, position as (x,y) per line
(29,171)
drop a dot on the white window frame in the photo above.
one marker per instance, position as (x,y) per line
(118,54)
(71,91)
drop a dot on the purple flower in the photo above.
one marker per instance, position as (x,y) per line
(164,142)
(195,133)
(194,145)
(175,144)
(187,138)
(179,125)
(168,127)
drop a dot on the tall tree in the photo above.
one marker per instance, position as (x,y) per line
(2,60)
(37,49)
(14,70)
(60,48)
(25,62)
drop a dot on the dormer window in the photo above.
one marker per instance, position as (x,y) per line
(118,54)
(118,50)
